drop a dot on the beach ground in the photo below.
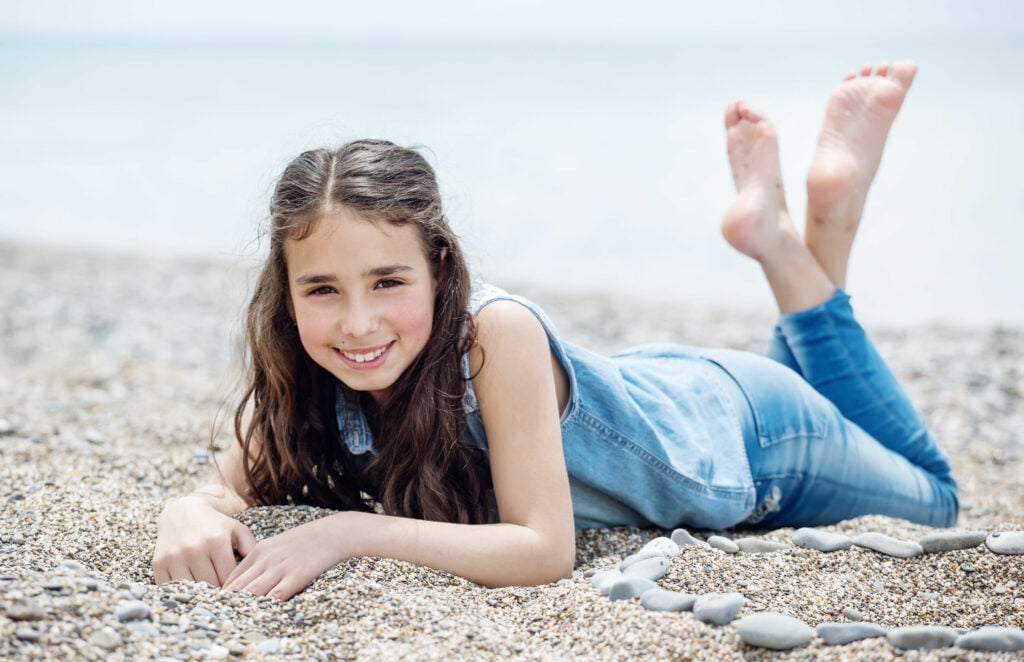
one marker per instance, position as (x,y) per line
(113,369)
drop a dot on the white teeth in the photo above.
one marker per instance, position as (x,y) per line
(363,358)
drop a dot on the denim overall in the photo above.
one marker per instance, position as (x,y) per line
(671,435)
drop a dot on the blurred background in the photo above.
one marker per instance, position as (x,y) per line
(579,144)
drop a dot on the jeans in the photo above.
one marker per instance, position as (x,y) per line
(829,433)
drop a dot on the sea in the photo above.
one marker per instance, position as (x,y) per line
(581,164)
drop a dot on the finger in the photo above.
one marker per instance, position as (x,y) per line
(242,539)
(202,569)
(262,583)
(284,590)
(160,574)
(223,560)
(236,579)
(178,571)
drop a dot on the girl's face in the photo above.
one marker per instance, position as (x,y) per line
(362,293)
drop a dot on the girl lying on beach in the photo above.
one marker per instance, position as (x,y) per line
(450,426)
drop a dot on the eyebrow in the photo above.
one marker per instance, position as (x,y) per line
(377,272)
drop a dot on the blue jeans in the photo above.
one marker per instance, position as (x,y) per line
(830,434)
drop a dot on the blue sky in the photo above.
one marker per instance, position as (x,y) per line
(506,17)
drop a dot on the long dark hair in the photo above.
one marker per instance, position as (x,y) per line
(292,447)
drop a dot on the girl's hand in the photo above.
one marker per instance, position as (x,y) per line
(197,542)
(285,564)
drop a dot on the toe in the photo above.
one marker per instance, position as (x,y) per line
(882,69)
(732,114)
(850,75)
(903,72)
(865,69)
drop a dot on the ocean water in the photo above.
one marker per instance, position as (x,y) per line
(575,164)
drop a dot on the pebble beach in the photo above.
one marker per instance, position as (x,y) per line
(115,371)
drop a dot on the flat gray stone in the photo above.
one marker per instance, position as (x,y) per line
(950,541)
(603,580)
(822,541)
(837,634)
(992,638)
(759,545)
(28,634)
(927,637)
(883,544)
(132,610)
(724,544)
(659,599)
(639,556)
(769,629)
(25,610)
(1006,542)
(718,608)
(853,614)
(662,545)
(107,638)
(682,538)
(653,569)
(630,587)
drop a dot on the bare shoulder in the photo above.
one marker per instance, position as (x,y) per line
(504,326)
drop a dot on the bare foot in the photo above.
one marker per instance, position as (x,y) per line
(757,224)
(758,219)
(857,120)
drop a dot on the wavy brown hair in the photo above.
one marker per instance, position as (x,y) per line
(293,450)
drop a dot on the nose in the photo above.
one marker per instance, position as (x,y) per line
(359,320)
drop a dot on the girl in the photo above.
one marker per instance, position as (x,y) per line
(450,426)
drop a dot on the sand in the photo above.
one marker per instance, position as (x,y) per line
(112,369)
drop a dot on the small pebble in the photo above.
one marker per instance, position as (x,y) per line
(822,541)
(1006,542)
(93,436)
(837,634)
(28,634)
(184,596)
(682,538)
(201,455)
(992,638)
(6,427)
(653,569)
(639,556)
(883,544)
(137,590)
(630,587)
(927,637)
(999,589)
(603,580)
(25,610)
(133,610)
(106,637)
(18,539)
(951,541)
(853,614)
(724,544)
(759,545)
(662,545)
(769,629)
(72,565)
(218,652)
(659,599)
(928,595)
(269,645)
(169,604)
(718,609)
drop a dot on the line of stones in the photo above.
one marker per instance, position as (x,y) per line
(636,577)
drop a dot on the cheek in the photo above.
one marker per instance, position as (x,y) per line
(313,327)
(415,320)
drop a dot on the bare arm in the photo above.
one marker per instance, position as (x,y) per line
(535,541)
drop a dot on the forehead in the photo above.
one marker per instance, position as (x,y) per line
(343,238)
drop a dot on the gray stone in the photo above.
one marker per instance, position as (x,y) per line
(630,587)
(928,595)
(269,646)
(28,634)
(6,427)
(759,545)
(72,566)
(659,599)
(682,538)
(639,556)
(1006,542)
(724,544)
(883,544)
(653,569)
(950,541)
(107,638)
(138,590)
(769,629)
(18,539)
(133,610)
(662,545)
(822,541)
(25,610)
(992,638)
(603,580)
(145,628)
(837,634)
(93,436)
(853,614)
(922,636)
(718,609)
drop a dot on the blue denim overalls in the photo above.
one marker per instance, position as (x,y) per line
(670,435)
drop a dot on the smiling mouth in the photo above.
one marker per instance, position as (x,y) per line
(368,357)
